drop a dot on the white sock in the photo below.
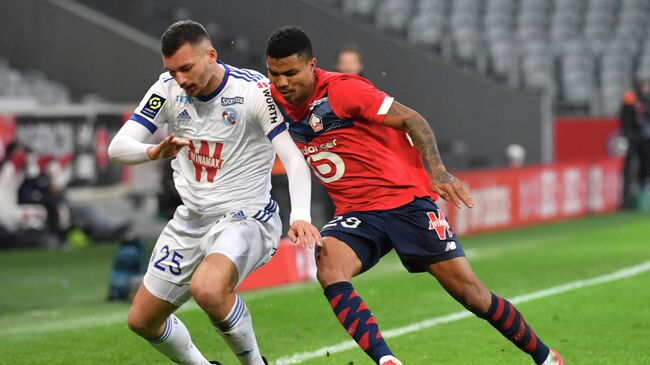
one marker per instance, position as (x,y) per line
(237,331)
(176,344)
(387,358)
(551,359)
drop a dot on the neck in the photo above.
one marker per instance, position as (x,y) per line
(215,80)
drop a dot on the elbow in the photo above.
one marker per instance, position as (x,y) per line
(113,151)
(413,121)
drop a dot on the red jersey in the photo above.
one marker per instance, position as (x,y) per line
(363,164)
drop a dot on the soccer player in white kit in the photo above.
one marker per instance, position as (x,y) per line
(225,132)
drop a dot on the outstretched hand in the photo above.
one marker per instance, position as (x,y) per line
(168,147)
(451,189)
(304,234)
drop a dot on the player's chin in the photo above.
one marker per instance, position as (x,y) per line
(192,90)
(288,96)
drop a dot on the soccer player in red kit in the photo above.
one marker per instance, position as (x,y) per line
(380,164)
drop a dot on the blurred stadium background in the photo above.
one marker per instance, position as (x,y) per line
(524,96)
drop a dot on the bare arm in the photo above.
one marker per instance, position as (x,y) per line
(418,129)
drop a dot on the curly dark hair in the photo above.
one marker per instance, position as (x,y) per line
(288,40)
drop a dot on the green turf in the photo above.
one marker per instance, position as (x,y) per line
(52,310)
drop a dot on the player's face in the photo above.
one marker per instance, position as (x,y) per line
(293,77)
(190,67)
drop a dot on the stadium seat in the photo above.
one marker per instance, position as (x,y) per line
(426,30)
(577,70)
(363,9)
(29,86)
(520,42)
(393,16)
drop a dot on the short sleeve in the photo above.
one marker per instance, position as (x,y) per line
(151,110)
(264,110)
(357,98)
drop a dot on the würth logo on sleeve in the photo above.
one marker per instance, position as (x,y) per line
(203,160)
(270,105)
(438,222)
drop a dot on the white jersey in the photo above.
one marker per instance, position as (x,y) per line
(228,163)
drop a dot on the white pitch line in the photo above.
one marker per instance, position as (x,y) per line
(107,318)
(574,285)
(104,319)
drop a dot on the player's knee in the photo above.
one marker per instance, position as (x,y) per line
(336,267)
(475,298)
(327,275)
(207,295)
(140,326)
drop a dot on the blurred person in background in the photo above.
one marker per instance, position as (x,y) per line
(225,132)
(349,60)
(380,163)
(45,183)
(21,225)
(635,127)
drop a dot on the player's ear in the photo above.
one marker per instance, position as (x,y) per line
(212,54)
(312,64)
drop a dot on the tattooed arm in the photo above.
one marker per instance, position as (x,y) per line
(442,182)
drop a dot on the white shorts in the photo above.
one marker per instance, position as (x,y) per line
(249,238)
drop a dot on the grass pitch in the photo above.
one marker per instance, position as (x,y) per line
(53,308)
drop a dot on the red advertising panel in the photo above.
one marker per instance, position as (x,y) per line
(583,138)
(509,198)
(7,132)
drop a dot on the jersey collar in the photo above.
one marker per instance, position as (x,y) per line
(216,92)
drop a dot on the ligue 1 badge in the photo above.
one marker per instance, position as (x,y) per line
(153,105)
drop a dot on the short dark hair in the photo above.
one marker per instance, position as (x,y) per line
(289,40)
(349,48)
(181,32)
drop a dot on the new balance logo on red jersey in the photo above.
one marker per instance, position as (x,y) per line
(438,222)
(204,162)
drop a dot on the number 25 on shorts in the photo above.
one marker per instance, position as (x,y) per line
(176,269)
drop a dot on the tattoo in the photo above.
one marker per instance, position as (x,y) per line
(443,177)
(424,141)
